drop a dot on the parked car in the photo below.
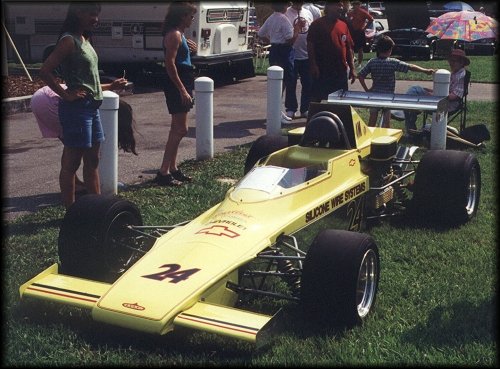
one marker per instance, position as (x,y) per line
(373,12)
(407,23)
(486,46)
(377,6)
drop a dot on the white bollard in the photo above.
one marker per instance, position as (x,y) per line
(274,87)
(108,162)
(204,93)
(441,87)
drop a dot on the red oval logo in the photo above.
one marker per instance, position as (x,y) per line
(134,306)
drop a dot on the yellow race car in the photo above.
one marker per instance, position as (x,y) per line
(314,192)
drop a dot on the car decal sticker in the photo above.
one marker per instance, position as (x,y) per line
(335,202)
(219,323)
(172,272)
(218,230)
(63,292)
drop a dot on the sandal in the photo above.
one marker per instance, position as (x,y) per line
(178,175)
(166,180)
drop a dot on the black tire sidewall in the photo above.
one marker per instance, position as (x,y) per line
(81,243)
(441,186)
(330,277)
(262,147)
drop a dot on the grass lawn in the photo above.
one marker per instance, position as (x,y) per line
(435,306)
(483,68)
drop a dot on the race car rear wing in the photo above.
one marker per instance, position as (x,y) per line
(389,101)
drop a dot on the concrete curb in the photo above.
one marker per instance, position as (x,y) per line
(13,105)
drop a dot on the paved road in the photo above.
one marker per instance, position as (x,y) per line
(31,164)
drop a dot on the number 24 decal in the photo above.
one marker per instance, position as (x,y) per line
(172,272)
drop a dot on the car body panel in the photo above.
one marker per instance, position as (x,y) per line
(49,285)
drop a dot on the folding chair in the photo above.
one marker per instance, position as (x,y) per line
(261,52)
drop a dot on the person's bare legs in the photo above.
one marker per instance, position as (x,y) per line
(90,169)
(387,118)
(372,122)
(360,57)
(79,185)
(178,130)
(70,162)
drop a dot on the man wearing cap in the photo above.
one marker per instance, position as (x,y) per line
(359,19)
(457,61)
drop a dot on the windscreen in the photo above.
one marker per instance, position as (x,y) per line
(269,178)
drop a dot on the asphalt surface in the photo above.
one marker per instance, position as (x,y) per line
(31,163)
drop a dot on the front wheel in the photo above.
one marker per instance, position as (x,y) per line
(95,241)
(340,278)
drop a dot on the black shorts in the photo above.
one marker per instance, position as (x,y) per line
(172,94)
(359,39)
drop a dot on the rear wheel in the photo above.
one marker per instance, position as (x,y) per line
(340,278)
(447,187)
(95,241)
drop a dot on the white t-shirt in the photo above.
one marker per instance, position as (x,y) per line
(300,45)
(316,13)
(277,28)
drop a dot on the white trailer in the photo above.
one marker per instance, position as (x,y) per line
(129,35)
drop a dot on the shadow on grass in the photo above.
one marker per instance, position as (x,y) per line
(30,228)
(99,336)
(453,326)
(405,221)
(199,347)
(227,130)
(30,204)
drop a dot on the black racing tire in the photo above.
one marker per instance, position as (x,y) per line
(447,187)
(340,278)
(262,147)
(93,237)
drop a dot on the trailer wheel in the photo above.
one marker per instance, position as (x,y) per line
(340,278)
(263,146)
(447,187)
(94,241)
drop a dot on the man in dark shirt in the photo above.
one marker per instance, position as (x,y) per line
(329,45)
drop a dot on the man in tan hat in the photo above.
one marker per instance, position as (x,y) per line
(457,61)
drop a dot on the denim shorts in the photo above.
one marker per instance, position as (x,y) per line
(81,123)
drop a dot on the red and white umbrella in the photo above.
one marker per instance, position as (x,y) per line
(464,25)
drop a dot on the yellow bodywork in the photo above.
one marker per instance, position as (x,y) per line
(183,279)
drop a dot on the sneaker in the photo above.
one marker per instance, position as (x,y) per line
(304,114)
(178,175)
(290,114)
(285,121)
(285,117)
(398,115)
(166,180)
